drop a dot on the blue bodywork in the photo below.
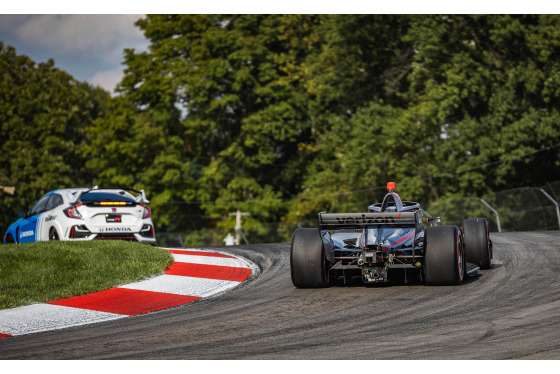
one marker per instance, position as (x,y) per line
(25,230)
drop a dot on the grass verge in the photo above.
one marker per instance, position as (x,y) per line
(47,271)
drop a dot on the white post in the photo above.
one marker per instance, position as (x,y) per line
(555,203)
(238,232)
(238,227)
(495,212)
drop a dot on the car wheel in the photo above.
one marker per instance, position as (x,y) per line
(444,261)
(10,240)
(53,234)
(308,263)
(477,242)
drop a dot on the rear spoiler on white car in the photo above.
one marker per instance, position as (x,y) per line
(74,196)
(142,198)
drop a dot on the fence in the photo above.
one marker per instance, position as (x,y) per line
(520,209)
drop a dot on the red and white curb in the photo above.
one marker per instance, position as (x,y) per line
(195,274)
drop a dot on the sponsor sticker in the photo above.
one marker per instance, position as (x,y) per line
(363,219)
(115,229)
(25,234)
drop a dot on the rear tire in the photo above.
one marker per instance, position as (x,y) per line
(477,242)
(308,264)
(53,234)
(444,263)
(10,239)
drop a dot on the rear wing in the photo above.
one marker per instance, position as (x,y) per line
(74,196)
(340,221)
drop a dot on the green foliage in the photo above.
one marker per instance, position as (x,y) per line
(43,115)
(474,115)
(283,116)
(485,81)
(229,115)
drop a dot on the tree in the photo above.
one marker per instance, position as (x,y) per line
(43,112)
(283,116)
(490,83)
(226,113)
(474,110)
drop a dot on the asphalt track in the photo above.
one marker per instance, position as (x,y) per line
(511,311)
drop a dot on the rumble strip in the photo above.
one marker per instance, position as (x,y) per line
(195,274)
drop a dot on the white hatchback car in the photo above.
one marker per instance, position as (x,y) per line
(85,214)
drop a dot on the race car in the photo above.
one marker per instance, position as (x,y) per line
(389,236)
(85,214)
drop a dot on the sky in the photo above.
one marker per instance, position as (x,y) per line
(89,44)
(89,47)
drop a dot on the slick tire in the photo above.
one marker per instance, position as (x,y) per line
(308,264)
(477,242)
(444,263)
